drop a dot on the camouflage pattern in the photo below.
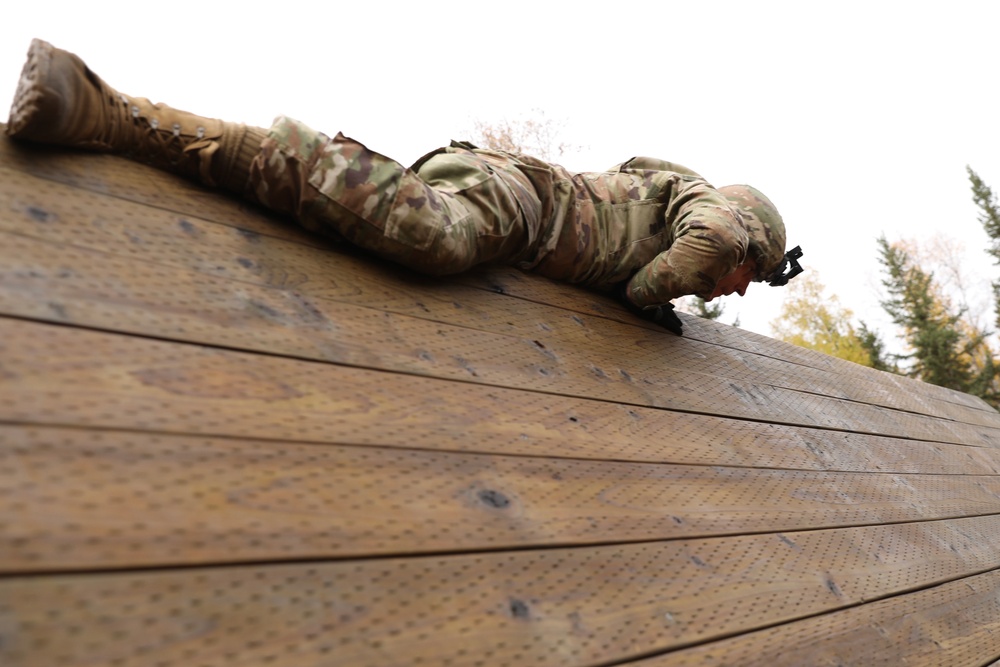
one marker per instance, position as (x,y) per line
(763,223)
(675,232)
(461,206)
(453,210)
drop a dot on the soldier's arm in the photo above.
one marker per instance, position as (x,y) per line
(708,243)
(655,164)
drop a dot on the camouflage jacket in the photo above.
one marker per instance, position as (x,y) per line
(655,219)
(651,220)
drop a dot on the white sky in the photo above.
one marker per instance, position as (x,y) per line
(856,118)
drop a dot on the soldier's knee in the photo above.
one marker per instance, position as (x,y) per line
(453,251)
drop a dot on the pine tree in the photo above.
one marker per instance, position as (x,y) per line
(989,218)
(941,353)
(878,357)
(702,309)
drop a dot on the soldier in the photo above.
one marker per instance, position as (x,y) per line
(647,229)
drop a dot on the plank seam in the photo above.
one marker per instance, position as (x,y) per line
(806,617)
(444,553)
(495,289)
(302,359)
(465,452)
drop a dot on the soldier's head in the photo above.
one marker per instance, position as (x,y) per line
(764,226)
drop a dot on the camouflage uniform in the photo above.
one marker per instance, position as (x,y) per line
(461,206)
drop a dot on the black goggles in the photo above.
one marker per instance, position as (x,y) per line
(780,276)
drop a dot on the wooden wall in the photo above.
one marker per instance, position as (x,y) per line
(226,442)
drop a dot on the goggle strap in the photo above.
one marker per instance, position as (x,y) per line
(779,276)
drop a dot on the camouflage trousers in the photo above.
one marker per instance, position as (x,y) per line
(452,210)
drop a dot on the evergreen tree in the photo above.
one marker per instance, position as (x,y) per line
(695,305)
(989,218)
(878,357)
(702,309)
(941,351)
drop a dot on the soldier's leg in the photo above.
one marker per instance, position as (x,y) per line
(456,210)
(60,101)
(464,211)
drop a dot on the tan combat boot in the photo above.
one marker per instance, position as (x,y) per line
(59,100)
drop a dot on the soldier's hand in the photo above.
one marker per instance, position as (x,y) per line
(663,315)
(666,317)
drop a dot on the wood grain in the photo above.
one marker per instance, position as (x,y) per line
(581,606)
(515,283)
(132,182)
(59,375)
(81,287)
(226,441)
(956,623)
(119,181)
(116,500)
(63,215)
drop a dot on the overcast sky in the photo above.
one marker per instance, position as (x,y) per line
(856,118)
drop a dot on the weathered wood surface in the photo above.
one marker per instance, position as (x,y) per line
(588,605)
(225,441)
(67,284)
(120,503)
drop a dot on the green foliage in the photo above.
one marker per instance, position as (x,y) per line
(946,349)
(810,318)
(989,218)
(702,309)
(695,305)
(989,211)
(878,357)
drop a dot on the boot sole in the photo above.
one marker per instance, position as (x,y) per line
(29,94)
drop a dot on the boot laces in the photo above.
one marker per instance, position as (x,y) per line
(139,131)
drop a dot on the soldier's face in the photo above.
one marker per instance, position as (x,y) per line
(737,281)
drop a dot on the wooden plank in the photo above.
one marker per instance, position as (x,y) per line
(94,499)
(583,606)
(142,184)
(60,214)
(90,498)
(107,174)
(514,283)
(81,287)
(957,623)
(129,181)
(58,375)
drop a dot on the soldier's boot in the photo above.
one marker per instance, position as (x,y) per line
(59,100)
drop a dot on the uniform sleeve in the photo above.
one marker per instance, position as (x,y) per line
(642,163)
(708,242)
